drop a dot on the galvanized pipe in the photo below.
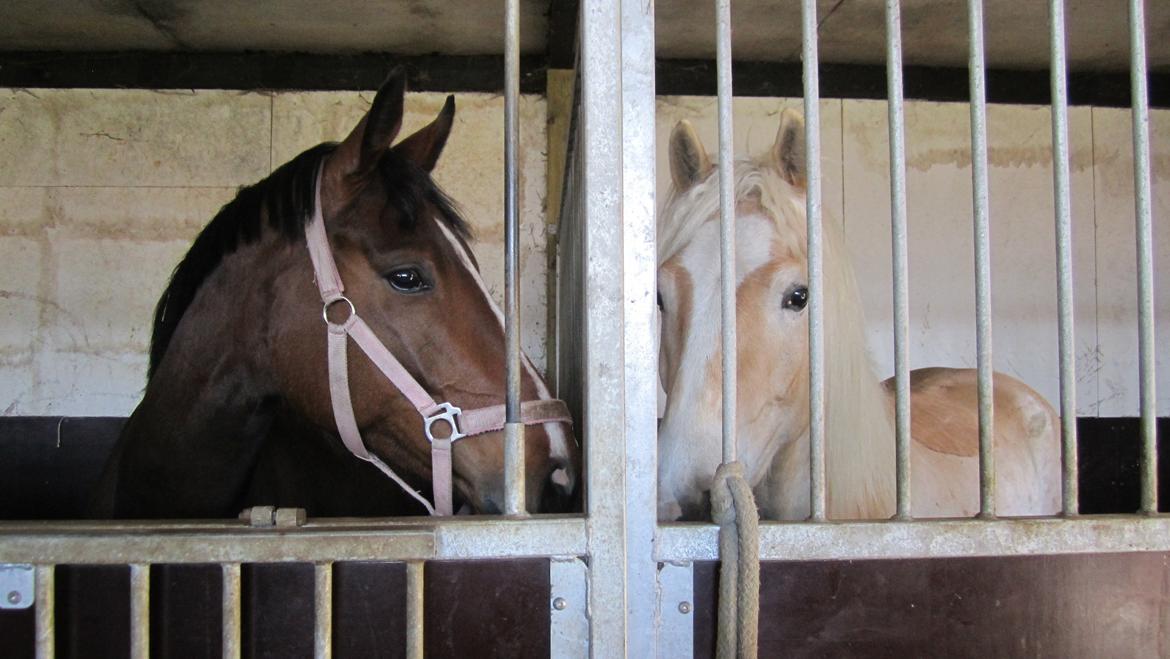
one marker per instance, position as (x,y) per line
(414,609)
(1064,273)
(816,308)
(140,611)
(323,608)
(230,605)
(982,259)
(1145,259)
(46,611)
(514,429)
(726,224)
(900,255)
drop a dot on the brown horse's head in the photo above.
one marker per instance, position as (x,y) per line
(401,252)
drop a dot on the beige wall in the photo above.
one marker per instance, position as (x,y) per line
(101,192)
(855,163)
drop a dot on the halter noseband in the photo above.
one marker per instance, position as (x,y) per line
(461,423)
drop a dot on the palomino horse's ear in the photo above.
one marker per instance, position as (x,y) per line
(361,150)
(689,163)
(423,148)
(788,151)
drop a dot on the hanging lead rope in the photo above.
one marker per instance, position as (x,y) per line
(734,509)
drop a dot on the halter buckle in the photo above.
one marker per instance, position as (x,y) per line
(449,413)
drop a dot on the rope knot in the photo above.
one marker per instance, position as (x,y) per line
(722,500)
(734,509)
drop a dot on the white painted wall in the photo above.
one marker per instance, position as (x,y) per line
(102,191)
(855,163)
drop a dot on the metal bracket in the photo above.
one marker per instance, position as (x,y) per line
(17,586)
(568,608)
(270,516)
(675,616)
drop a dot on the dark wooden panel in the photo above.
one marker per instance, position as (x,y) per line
(185,615)
(278,618)
(369,610)
(51,463)
(1105,605)
(93,611)
(487,609)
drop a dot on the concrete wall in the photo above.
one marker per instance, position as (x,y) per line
(855,163)
(102,191)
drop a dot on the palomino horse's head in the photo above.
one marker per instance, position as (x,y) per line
(771,298)
(401,252)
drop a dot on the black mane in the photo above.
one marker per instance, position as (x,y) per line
(285,198)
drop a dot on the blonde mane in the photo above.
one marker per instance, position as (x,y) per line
(859,431)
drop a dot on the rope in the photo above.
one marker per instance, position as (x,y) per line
(734,509)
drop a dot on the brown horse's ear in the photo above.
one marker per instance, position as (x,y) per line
(360,151)
(788,151)
(689,163)
(423,148)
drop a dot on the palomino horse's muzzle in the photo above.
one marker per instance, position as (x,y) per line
(444,423)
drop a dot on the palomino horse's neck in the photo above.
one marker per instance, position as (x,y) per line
(194,438)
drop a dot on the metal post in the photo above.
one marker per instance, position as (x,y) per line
(982,259)
(323,606)
(1064,273)
(231,611)
(900,254)
(816,306)
(514,428)
(414,609)
(726,224)
(46,611)
(1145,264)
(140,611)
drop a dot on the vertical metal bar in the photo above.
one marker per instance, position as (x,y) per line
(230,604)
(900,254)
(46,611)
(140,611)
(726,224)
(323,607)
(639,317)
(414,609)
(514,429)
(1145,264)
(816,307)
(982,258)
(1064,274)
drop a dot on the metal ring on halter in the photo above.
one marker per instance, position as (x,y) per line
(450,414)
(340,298)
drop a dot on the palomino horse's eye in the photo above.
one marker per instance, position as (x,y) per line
(407,280)
(796,299)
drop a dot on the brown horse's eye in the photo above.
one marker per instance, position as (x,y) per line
(796,299)
(407,280)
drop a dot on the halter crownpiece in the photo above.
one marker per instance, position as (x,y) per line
(459,423)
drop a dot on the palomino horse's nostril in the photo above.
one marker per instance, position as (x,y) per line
(559,488)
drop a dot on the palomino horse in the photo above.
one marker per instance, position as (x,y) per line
(241,398)
(772,412)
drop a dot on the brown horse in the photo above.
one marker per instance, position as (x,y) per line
(237,408)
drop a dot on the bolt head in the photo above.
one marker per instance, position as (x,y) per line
(684,607)
(14,597)
(560,604)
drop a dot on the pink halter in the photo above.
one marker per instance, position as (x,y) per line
(461,423)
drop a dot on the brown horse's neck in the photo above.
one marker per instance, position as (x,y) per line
(193,440)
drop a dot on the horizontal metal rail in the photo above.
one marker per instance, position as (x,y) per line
(948,538)
(335,540)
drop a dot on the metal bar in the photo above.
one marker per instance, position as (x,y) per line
(415,609)
(639,268)
(340,540)
(323,610)
(816,306)
(230,605)
(900,254)
(140,611)
(46,576)
(1144,230)
(568,611)
(982,227)
(676,611)
(727,277)
(927,538)
(1064,272)
(513,429)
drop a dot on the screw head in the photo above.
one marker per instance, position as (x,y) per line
(684,607)
(560,604)
(14,597)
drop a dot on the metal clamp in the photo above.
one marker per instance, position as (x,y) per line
(450,414)
(17,586)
